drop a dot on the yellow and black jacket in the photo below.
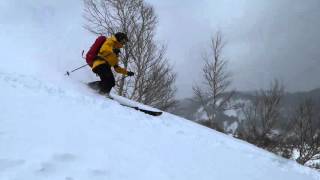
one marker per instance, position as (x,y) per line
(106,55)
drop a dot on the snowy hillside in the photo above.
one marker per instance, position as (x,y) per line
(51,130)
(53,127)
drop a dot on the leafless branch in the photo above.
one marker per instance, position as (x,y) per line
(213,94)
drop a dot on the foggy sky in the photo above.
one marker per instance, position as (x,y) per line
(266,39)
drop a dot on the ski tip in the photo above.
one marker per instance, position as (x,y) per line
(153,113)
(157,113)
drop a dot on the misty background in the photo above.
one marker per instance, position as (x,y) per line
(265,39)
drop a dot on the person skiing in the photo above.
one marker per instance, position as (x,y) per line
(108,57)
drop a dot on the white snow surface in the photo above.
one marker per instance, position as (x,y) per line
(53,127)
(60,129)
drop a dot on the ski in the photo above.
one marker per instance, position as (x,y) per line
(153,113)
(95,86)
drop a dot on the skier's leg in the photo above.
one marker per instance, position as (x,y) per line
(107,82)
(106,76)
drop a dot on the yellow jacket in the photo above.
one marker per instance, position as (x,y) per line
(107,55)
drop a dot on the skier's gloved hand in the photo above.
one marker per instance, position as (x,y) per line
(130,73)
(116,51)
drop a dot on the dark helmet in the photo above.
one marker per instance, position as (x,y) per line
(121,37)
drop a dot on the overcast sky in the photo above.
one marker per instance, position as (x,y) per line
(266,39)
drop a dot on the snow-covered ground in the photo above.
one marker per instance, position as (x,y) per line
(53,127)
(51,130)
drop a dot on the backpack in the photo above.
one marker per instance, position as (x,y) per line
(94,50)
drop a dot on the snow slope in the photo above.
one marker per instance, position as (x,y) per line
(51,130)
(55,128)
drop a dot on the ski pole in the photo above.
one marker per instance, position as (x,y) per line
(68,73)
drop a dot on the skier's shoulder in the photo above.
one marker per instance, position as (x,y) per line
(109,42)
(111,39)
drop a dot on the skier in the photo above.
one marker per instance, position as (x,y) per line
(108,57)
(103,55)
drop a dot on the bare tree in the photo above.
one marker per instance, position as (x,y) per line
(307,133)
(259,125)
(212,94)
(154,80)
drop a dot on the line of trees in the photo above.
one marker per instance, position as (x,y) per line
(298,138)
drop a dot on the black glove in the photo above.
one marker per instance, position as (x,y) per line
(130,73)
(116,51)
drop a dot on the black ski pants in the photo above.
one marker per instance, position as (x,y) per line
(107,79)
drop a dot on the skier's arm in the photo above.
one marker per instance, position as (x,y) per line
(120,70)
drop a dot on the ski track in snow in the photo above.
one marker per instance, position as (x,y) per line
(71,163)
